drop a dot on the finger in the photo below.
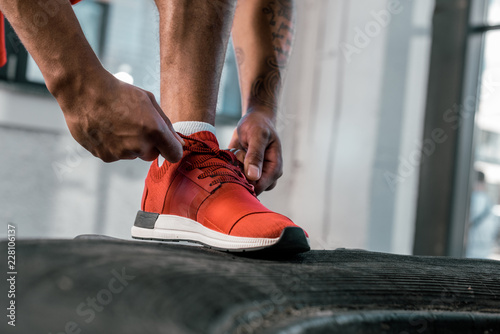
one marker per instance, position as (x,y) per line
(150,154)
(272,169)
(128,155)
(125,148)
(272,186)
(265,185)
(167,144)
(165,141)
(254,158)
(165,118)
(107,157)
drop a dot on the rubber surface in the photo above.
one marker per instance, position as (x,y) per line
(177,289)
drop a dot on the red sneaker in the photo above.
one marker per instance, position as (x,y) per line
(205,198)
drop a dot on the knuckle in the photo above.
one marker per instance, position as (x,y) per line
(272,186)
(92,151)
(106,155)
(108,158)
(129,153)
(150,155)
(264,134)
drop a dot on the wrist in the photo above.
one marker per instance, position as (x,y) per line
(72,79)
(266,111)
(67,85)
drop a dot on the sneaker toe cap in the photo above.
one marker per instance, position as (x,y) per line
(261,225)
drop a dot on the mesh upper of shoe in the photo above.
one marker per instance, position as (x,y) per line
(208,186)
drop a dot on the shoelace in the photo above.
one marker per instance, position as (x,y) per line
(226,171)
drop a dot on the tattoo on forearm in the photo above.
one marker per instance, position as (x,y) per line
(269,10)
(266,88)
(281,20)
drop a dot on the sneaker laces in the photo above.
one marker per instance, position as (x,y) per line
(221,165)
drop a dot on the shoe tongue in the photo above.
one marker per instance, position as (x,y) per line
(207,137)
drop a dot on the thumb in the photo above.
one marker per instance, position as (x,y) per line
(167,143)
(166,140)
(165,118)
(255,157)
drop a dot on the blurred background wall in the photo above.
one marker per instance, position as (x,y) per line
(351,123)
(353,110)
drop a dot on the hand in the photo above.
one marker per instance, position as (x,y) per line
(256,144)
(114,120)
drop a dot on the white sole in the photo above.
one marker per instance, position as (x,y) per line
(177,228)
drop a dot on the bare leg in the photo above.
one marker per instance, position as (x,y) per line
(193,41)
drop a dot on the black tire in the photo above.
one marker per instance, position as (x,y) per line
(181,289)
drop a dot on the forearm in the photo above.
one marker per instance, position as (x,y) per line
(262,37)
(52,35)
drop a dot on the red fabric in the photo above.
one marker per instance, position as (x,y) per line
(208,187)
(3,51)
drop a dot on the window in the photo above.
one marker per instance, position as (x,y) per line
(483,225)
(124,34)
